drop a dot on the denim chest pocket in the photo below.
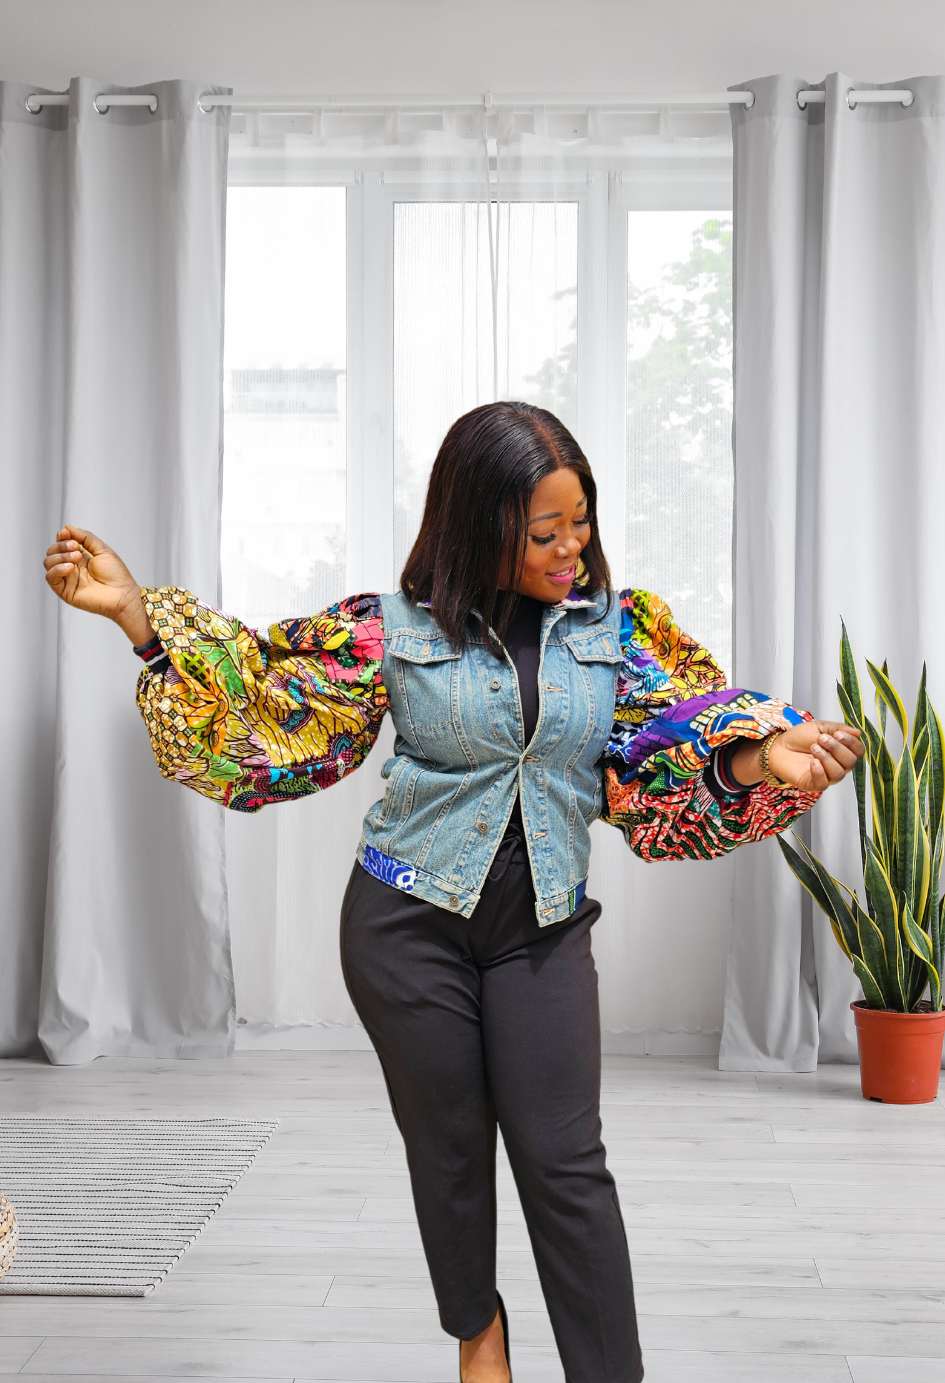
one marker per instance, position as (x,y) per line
(425,671)
(597,656)
(595,646)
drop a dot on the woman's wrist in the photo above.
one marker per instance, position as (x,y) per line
(744,763)
(749,764)
(132,619)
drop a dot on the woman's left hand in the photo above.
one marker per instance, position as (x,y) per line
(815,754)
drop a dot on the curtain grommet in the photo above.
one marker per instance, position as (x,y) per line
(152,104)
(204,110)
(851,104)
(33,110)
(908,100)
(751,101)
(801,105)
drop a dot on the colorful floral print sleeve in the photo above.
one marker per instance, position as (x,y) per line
(249,719)
(665,764)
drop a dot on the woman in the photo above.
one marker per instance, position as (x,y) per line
(528,699)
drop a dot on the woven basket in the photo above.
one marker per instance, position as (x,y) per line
(8,1234)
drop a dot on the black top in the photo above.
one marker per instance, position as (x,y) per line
(522,642)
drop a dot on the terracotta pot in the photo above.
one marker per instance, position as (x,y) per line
(900,1053)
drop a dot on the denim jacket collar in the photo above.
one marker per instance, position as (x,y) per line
(574,600)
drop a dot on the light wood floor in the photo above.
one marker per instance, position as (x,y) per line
(782,1230)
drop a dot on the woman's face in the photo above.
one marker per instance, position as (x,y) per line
(558,528)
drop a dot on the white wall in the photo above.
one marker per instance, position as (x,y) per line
(439,46)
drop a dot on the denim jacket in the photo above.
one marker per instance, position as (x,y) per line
(460,754)
(631,711)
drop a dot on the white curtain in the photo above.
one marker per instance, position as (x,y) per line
(386,271)
(486,257)
(114,934)
(839,270)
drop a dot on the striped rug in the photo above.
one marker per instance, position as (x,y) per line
(105,1207)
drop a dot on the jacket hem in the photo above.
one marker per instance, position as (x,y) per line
(409,878)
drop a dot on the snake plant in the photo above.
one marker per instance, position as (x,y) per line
(895,944)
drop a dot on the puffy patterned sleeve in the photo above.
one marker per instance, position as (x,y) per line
(665,780)
(247,718)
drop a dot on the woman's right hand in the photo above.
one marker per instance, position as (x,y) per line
(88,574)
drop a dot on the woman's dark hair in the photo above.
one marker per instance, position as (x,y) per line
(476,509)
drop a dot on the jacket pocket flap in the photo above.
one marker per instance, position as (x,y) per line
(421,648)
(595,646)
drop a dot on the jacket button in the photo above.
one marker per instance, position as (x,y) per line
(453,901)
(495,684)
(482,826)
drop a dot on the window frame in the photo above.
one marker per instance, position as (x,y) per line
(605,192)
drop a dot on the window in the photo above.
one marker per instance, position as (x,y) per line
(679,416)
(359,327)
(443,352)
(284,491)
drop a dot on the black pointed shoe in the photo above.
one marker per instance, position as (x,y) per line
(505,1334)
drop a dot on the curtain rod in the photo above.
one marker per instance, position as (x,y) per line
(804,97)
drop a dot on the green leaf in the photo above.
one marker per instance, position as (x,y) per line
(837,908)
(916,939)
(874,748)
(888,696)
(882,780)
(935,872)
(920,942)
(886,912)
(809,878)
(932,908)
(901,984)
(871,945)
(859,768)
(850,680)
(936,796)
(913,863)
(846,705)
(922,760)
(804,872)
(918,722)
(871,990)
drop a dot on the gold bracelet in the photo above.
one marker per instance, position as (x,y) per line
(766,774)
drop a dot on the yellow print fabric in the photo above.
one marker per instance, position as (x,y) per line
(249,719)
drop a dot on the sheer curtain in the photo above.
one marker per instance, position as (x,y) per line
(388,269)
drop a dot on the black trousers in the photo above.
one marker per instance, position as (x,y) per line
(492,1021)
